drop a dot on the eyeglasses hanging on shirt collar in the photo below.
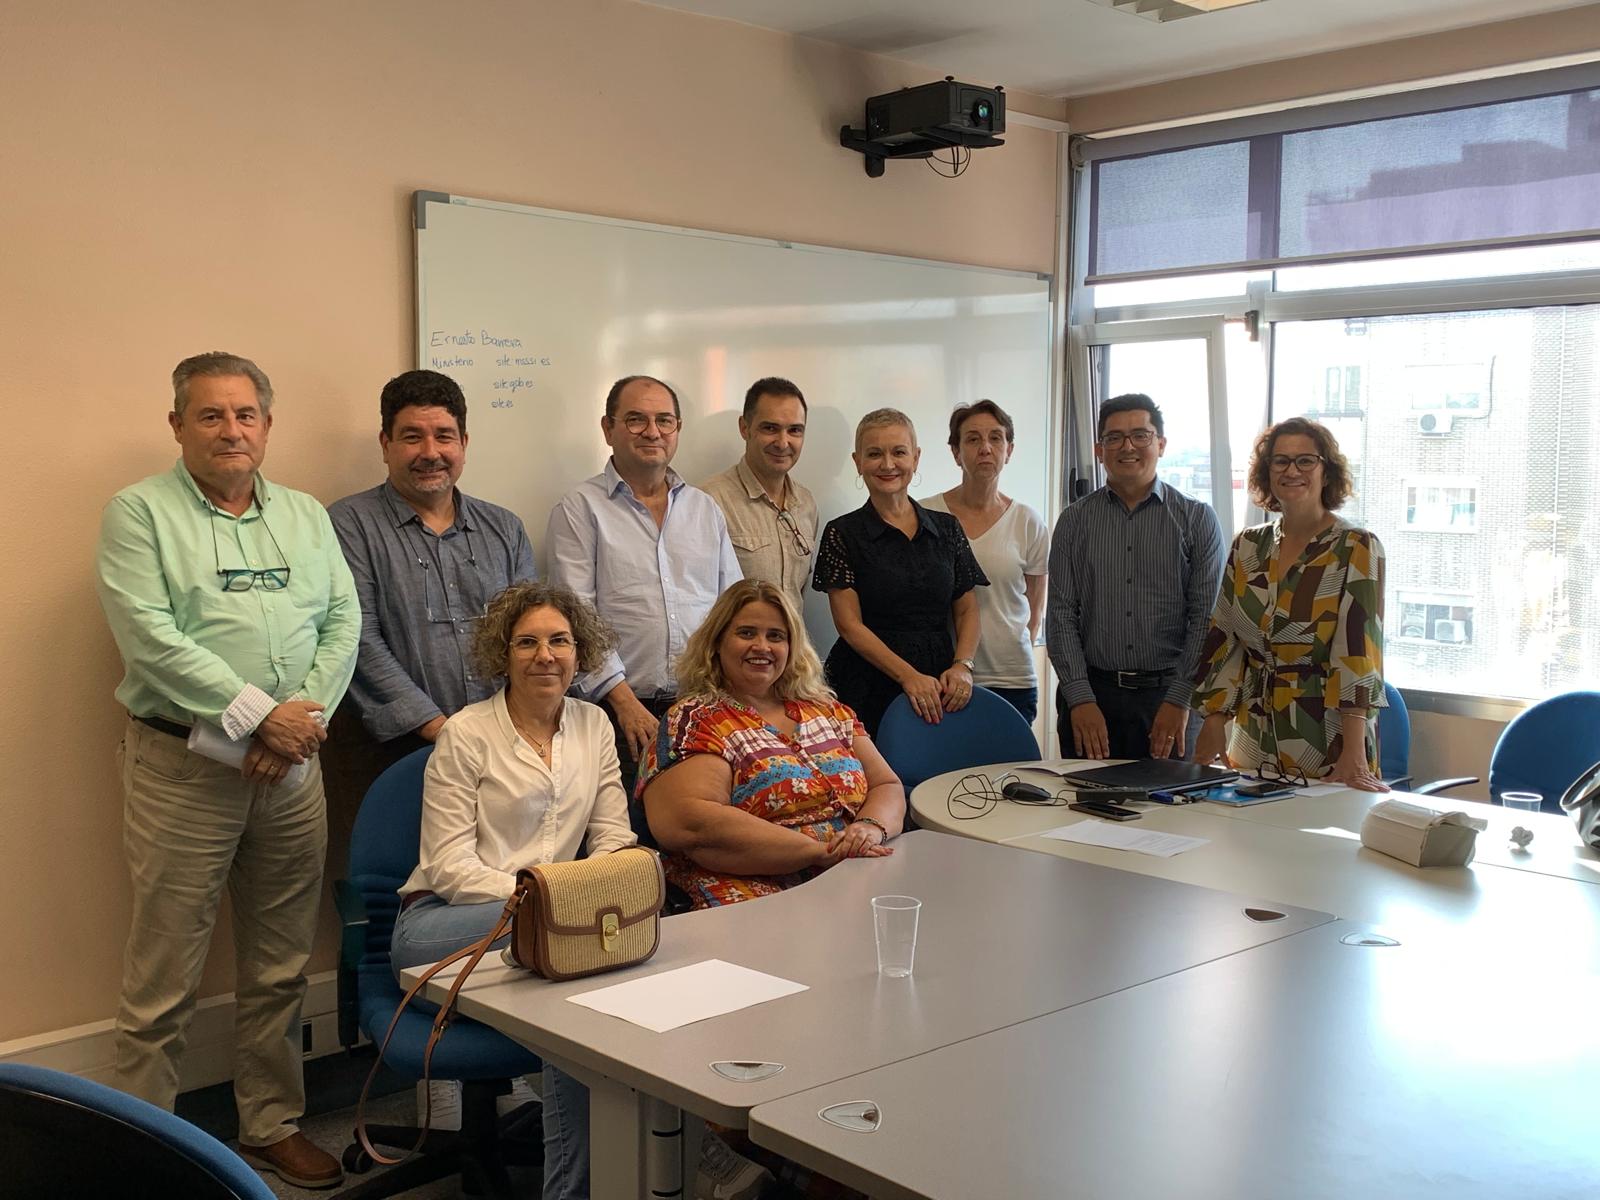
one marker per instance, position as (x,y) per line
(430,550)
(801,545)
(426,551)
(242,579)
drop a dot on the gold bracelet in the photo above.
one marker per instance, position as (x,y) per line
(882,828)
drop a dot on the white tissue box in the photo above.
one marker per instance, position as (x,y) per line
(1421,836)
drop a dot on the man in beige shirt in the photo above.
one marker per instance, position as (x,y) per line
(772,520)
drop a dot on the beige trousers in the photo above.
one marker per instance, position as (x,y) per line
(190,826)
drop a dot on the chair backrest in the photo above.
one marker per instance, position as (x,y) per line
(1547,747)
(388,827)
(65,1136)
(987,730)
(1394,736)
(384,846)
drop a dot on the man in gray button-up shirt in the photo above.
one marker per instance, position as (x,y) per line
(1134,569)
(426,559)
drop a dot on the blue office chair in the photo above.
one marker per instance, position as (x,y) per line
(384,846)
(987,730)
(1394,740)
(1547,748)
(65,1136)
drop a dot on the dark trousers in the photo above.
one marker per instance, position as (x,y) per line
(657,705)
(1129,713)
(1024,700)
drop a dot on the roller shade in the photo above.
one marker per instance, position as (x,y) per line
(1464,177)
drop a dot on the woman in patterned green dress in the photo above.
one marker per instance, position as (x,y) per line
(1291,672)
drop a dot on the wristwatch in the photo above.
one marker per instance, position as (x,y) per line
(963,662)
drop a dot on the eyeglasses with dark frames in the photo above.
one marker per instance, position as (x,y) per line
(1139,438)
(1304,463)
(636,422)
(242,579)
(801,545)
(1272,771)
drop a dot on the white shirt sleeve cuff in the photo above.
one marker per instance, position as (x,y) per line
(249,708)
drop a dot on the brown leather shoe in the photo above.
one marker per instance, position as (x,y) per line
(296,1160)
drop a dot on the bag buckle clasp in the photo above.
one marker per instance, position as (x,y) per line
(609,932)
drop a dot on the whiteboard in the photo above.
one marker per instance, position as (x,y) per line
(536,312)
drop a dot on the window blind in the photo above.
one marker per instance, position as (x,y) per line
(1472,176)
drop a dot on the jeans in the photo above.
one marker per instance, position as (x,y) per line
(1025,700)
(425,932)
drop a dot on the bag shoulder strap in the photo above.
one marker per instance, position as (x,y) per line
(441,1022)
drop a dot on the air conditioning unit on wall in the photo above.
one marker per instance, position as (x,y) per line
(1435,423)
(1447,630)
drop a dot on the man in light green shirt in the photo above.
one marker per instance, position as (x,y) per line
(232,607)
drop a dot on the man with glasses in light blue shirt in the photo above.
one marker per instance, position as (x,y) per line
(650,552)
(231,605)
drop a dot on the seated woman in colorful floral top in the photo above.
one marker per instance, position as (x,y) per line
(759,778)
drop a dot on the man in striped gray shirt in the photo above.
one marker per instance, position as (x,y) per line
(1134,569)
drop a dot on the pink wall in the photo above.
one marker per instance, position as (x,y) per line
(236,176)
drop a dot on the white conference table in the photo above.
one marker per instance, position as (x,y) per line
(1303,1068)
(1005,936)
(1556,848)
(1308,853)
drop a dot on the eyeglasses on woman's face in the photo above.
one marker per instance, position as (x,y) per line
(1304,463)
(559,644)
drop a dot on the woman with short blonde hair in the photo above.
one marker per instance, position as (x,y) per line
(898,578)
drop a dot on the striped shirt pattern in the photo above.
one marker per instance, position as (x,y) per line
(1132,591)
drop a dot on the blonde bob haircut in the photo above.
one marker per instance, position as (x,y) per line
(699,667)
(882,418)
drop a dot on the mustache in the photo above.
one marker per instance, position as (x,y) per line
(431,464)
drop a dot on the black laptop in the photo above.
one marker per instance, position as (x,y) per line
(1150,775)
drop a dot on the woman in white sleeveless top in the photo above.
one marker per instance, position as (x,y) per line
(1012,545)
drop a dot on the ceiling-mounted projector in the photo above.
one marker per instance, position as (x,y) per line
(921,121)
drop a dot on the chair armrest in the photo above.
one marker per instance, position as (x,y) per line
(352,947)
(1400,783)
(1444,785)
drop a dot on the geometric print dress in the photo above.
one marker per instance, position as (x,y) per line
(1282,658)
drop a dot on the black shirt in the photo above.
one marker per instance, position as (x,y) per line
(906,587)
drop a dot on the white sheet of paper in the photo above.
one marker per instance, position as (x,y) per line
(687,994)
(1119,837)
(1321,789)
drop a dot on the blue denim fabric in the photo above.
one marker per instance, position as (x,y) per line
(566,1136)
(430,929)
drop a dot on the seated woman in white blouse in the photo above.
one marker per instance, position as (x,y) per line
(527,776)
